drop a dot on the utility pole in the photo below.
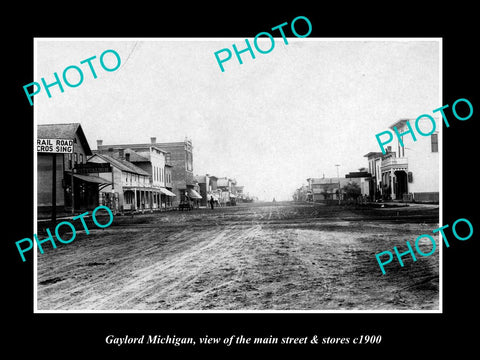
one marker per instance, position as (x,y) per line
(54,188)
(338,179)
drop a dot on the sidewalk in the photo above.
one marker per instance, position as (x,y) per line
(395,204)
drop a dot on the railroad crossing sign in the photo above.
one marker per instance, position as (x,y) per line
(55,146)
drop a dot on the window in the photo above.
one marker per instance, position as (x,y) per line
(81,158)
(434,139)
(69,161)
(75,158)
(189,161)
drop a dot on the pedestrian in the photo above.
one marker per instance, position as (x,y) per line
(211,202)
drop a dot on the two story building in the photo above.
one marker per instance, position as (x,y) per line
(320,189)
(129,184)
(410,172)
(415,168)
(375,169)
(226,191)
(177,163)
(73,194)
(152,160)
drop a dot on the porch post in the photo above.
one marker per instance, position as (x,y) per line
(392,174)
(135,196)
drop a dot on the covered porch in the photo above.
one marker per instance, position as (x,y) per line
(394,178)
(146,198)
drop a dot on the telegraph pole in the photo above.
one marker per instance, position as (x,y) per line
(338,179)
(54,188)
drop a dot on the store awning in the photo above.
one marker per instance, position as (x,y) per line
(167,192)
(193,194)
(92,179)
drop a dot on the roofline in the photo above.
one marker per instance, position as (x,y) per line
(396,123)
(83,139)
(161,150)
(131,146)
(157,144)
(81,134)
(376,153)
(105,157)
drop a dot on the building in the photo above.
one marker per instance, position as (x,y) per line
(167,197)
(411,173)
(130,185)
(233,192)
(204,188)
(178,160)
(226,191)
(239,192)
(72,194)
(320,189)
(153,161)
(375,170)
(213,190)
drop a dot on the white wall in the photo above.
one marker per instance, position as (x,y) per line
(422,162)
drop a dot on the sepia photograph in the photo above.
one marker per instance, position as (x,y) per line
(237,175)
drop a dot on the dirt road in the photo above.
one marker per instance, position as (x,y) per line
(249,257)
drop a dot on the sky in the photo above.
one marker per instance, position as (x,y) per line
(270,123)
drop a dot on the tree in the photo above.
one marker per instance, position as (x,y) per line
(352,191)
(325,194)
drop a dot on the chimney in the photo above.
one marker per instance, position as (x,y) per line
(153,140)
(127,156)
(99,143)
(121,153)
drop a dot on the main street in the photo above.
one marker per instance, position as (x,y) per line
(265,256)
